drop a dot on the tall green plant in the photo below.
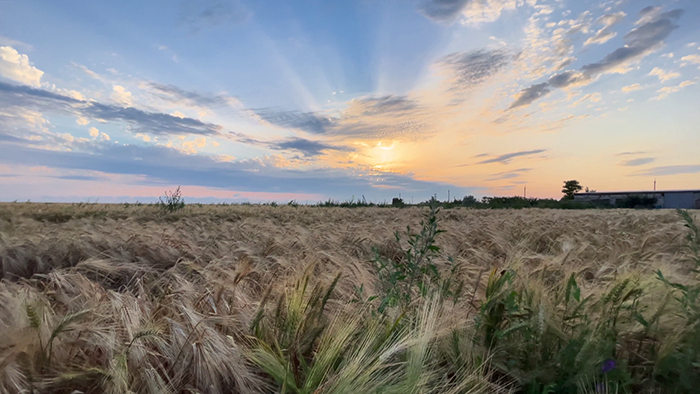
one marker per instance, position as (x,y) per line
(415,272)
(679,367)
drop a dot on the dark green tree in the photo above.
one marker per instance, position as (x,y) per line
(570,188)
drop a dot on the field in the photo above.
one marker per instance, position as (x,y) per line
(250,299)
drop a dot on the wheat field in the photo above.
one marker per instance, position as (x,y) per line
(260,299)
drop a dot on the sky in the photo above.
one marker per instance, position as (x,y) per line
(306,100)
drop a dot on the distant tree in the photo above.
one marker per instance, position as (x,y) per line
(397,202)
(469,201)
(570,188)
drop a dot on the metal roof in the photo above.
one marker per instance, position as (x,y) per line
(639,192)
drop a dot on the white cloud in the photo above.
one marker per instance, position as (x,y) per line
(104,136)
(144,137)
(121,95)
(16,66)
(82,121)
(94,132)
(89,72)
(667,90)
(690,59)
(631,88)
(487,10)
(663,75)
(687,83)
(606,33)
(592,97)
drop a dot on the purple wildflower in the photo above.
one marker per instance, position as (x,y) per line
(608,365)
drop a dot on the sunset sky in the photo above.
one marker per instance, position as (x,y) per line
(310,100)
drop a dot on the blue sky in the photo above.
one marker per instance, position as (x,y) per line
(309,100)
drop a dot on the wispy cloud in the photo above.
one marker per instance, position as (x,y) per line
(631,88)
(6,41)
(176,95)
(638,162)
(667,90)
(443,10)
(508,174)
(473,11)
(506,158)
(203,14)
(653,27)
(311,122)
(690,59)
(606,33)
(530,94)
(664,75)
(13,96)
(306,147)
(386,105)
(671,170)
(469,69)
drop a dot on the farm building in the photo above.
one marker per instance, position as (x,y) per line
(684,199)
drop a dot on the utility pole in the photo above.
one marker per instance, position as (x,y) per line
(524,191)
(448,195)
(654,184)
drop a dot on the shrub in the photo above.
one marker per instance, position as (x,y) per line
(172,201)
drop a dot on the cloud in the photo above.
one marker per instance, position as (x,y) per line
(690,59)
(90,73)
(639,42)
(508,174)
(175,95)
(9,42)
(469,69)
(121,96)
(94,132)
(201,14)
(670,170)
(380,106)
(530,94)
(663,75)
(652,28)
(606,33)
(667,90)
(307,121)
(13,96)
(592,97)
(506,158)
(163,165)
(473,11)
(16,67)
(443,10)
(37,99)
(631,88)
(564,63)
(632,153)
(149,122)
(637,162)
(566,79)
(304,146)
